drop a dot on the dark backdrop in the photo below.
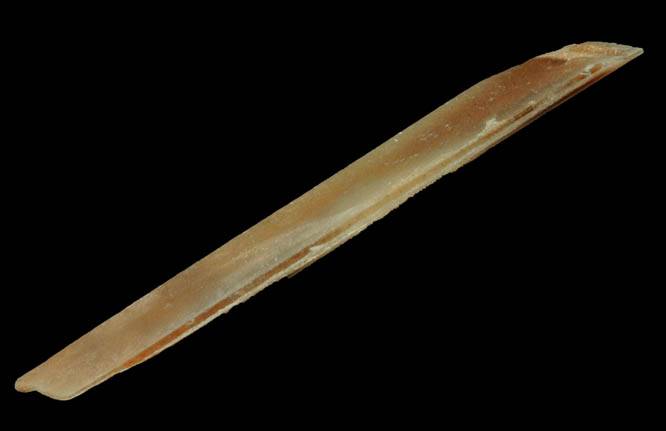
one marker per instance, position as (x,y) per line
(146,140)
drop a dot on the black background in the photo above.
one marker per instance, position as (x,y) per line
(146,139)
